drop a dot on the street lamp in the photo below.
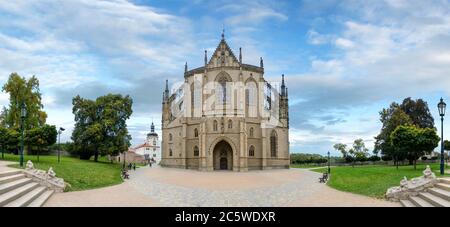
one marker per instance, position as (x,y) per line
(441,107)
(329,170)
(23,115)
(61,129)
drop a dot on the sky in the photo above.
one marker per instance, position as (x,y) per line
(344,60)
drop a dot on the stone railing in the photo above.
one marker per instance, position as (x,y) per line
(47,179)
(412,187)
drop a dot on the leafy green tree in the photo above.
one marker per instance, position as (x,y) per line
(446,145)
(8,138)
(100,127)
(41,137)
(409,112)
(414,141)
(341,148)
(359,150)
(25,91)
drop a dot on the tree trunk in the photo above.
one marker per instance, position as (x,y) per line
(96,156)
(38,151)
(415,161)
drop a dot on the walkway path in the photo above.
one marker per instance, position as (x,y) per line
(176,187)
(4,166)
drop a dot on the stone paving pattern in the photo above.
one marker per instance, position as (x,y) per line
(175,187)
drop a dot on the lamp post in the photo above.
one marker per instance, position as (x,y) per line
(329,170)
(441,107)
(61,129)
(23,115)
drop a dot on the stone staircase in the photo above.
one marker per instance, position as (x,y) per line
(437,196)
(16,190)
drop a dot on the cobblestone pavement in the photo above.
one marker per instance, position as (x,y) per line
(176,187)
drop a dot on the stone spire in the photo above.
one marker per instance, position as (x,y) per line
(223,34)
(261,63)
(240,55)
(166,91)
(185,67)
(283,86)
(206,57)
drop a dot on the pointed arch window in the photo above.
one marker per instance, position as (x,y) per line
(223,95)
(195,132)
(196,151)
(170,137)
(215,125)
(170,152)
(273,144)
(251,151)
(230,124)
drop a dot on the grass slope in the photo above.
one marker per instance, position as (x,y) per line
(80,174)
(372,180)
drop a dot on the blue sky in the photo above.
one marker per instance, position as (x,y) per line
(343,60)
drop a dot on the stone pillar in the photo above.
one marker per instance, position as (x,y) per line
(264,148)
(183,145)
(243,148)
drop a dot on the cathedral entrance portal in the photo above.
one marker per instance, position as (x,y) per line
(223,156)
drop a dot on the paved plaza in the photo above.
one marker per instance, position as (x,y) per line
(175,187)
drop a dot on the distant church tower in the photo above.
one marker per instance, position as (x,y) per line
(150,149)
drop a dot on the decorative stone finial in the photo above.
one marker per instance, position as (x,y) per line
(240,55)
(51,173)
(206,57)
(261,63)
(29,165)
(185,67)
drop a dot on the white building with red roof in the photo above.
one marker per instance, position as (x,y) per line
(150,148)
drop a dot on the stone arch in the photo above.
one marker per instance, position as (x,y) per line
(223,155)
(226,139)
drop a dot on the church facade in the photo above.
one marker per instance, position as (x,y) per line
(225,116)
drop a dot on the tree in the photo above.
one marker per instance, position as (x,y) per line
(25,91)
(8,138)
(41,137)
(419,112)
(446,145)
(341,148)
(100,127)
(413,141)
(409,112)
(357,152)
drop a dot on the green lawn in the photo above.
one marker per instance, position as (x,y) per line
(372,180)
(80,174)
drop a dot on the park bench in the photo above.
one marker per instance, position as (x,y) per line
(324,178)
(125,174)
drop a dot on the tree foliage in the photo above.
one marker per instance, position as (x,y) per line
(25,91)
(413,142)
(41,137)
(9,138)
(358,151)
(409,112)
(446,145)
(100,125)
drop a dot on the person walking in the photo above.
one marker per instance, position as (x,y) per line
(134,166)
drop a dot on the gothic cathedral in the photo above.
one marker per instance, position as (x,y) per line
(225,116)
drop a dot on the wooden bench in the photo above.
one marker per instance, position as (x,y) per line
(125,174)
(324,178)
